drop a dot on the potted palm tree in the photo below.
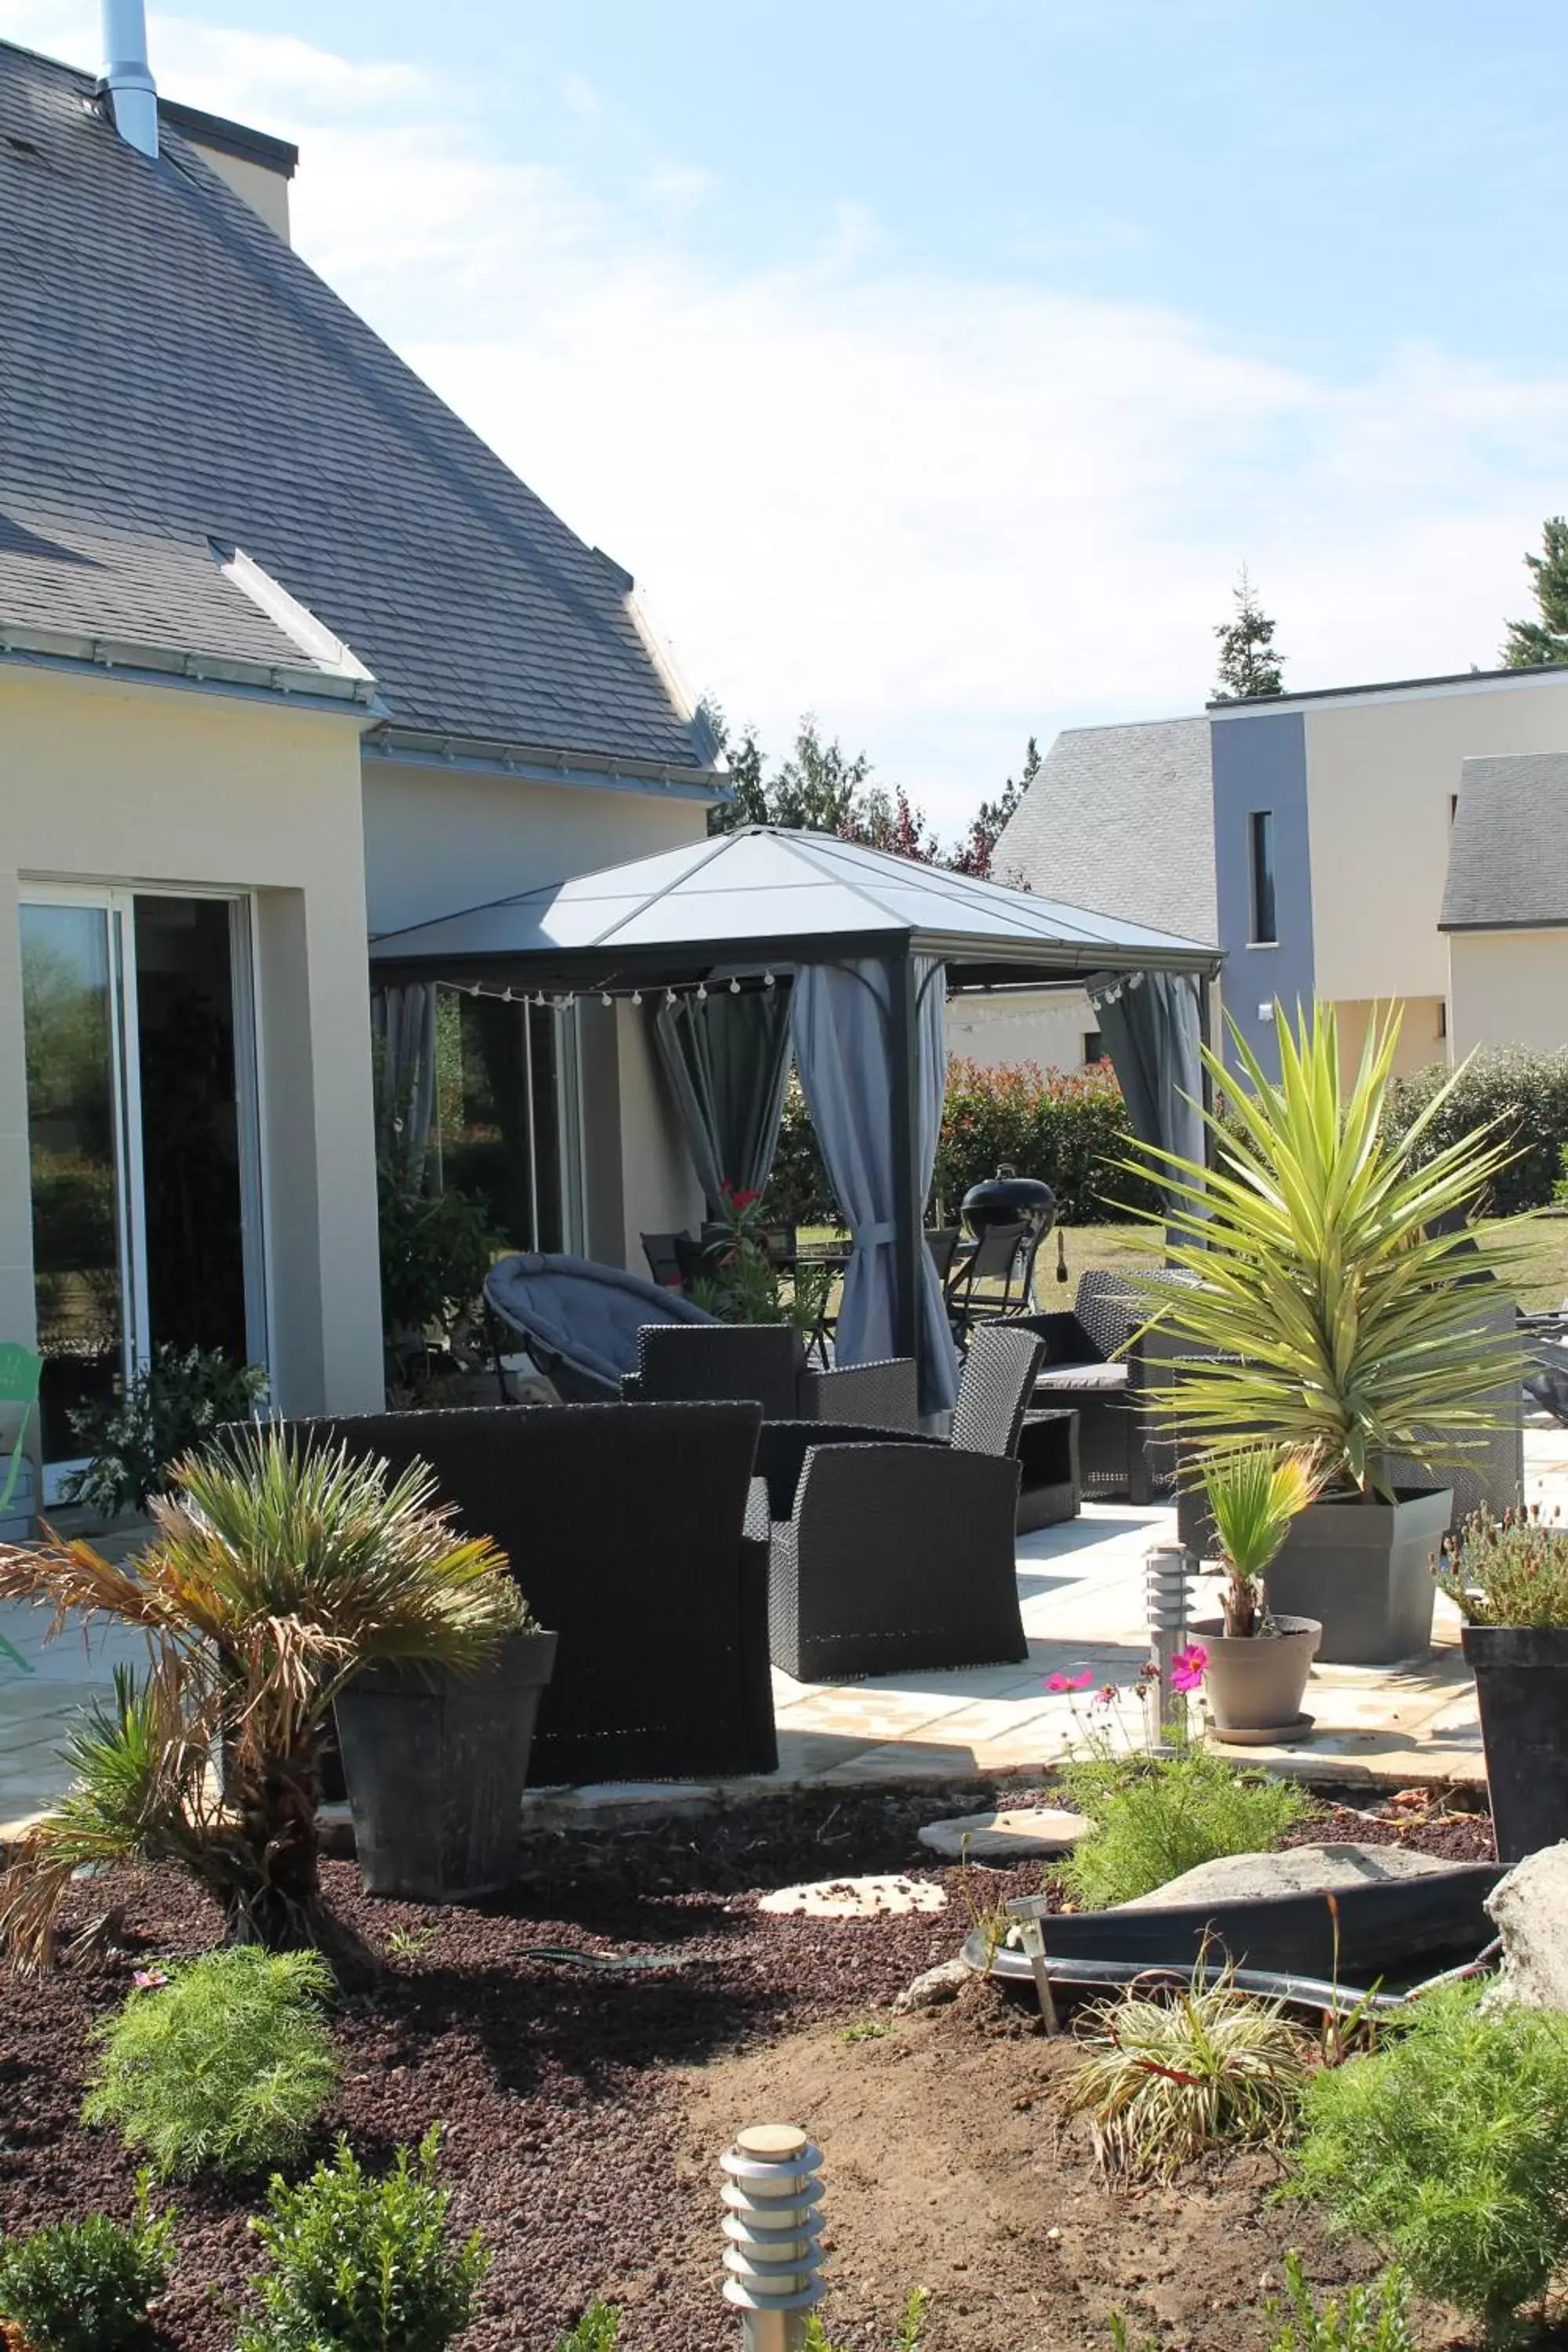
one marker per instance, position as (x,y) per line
(1510,1579)
(1321,1302)
(1256,1663)
(275,1574)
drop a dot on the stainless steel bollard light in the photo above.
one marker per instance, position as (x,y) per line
(773,2253)
(1167,1577)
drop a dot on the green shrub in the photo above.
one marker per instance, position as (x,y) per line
(1450,2146)
(172,1406)
(366,2266)
(1069,1129)
(85,2286)
(599,2330)
(1508,1571)
(226,2068)
(1156,1817)
(1373,2318)
(435,1251)
(1528,1091)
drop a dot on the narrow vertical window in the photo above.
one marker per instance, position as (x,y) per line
(1263,932)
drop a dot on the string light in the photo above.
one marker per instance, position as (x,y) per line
(702,990)
(637,997)
(604,997)
(734,988)
(506,996)
(767,980)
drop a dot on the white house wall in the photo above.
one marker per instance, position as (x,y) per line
(1007,1027)
(437,840)
(111,783)
(1509,988)
(1381,776)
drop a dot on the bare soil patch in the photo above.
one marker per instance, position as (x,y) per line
(585,2111)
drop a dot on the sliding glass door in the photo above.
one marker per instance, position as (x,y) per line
(144,1147)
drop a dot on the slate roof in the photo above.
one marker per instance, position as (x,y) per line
(1122,819)
(172,374)
(1508,845)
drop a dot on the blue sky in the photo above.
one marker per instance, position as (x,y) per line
(934,365)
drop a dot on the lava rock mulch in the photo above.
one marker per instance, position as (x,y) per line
(567,2094)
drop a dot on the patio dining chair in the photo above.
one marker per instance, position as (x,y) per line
(21,1371)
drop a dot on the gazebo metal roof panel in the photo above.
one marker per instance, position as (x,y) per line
(804,897)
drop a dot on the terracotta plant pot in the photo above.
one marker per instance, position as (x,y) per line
(1255,1684)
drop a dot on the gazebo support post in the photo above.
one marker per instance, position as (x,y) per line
(908,1204)
(1206,1033)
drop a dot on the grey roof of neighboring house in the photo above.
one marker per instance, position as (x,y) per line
(1122,819)
(174,375)
(1508,846)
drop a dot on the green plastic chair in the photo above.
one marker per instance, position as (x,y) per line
(20,1373)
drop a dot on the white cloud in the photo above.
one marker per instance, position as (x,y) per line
(942,513)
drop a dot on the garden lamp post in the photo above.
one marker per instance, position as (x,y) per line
(1167,1576)
(773,2255)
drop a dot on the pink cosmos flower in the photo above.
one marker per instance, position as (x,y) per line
(1187,1667)
(1070,1682)
(148,1980)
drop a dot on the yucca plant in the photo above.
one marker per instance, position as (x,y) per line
(1344,1324)
(1254,1496)
(277,1572)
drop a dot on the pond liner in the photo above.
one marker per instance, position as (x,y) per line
(1388,1927)
(1324,1996)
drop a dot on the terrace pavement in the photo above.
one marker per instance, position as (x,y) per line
(1082,1586)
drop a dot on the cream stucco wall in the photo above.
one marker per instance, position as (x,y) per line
(1008,1027)
(439,839)
(1509,988)
(1380,778)
(265,192)
(109,782)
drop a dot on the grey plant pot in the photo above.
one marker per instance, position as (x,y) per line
(435,1764)
(1255,1683)
(1364,1571)
(1522,1691)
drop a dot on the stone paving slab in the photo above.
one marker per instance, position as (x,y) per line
(1081,1596)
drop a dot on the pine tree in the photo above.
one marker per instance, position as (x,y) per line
(975,852)
(1532,642)
(1248,666)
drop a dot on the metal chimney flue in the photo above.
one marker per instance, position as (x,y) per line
(128,78)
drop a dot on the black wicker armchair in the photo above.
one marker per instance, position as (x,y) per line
(1095,1366)
(624,1524)
(767,1363)
(889,1552)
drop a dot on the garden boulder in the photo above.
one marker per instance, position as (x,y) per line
(1301,1870)
(1531,1907)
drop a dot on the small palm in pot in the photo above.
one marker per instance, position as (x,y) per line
(1256,1664)
(1254,1496)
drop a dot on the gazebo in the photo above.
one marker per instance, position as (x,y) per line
(765,941)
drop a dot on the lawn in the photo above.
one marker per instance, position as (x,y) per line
(1541,1277)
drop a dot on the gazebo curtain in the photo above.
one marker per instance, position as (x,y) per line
(1152,1025)
(844,1051)
(403,1024)
(727,1058)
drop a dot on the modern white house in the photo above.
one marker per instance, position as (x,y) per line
(1505,906)
(287,657)
(1308,837)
